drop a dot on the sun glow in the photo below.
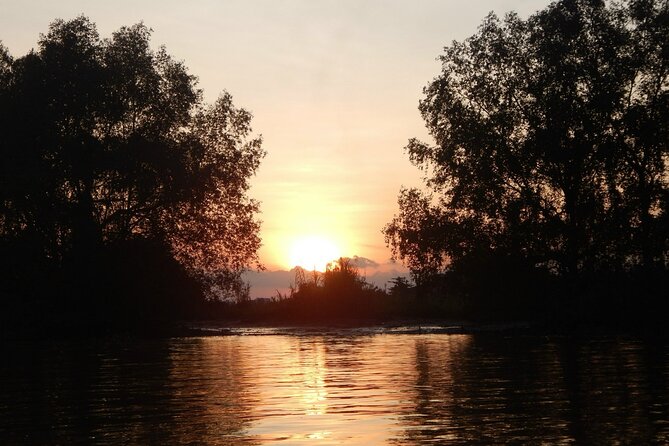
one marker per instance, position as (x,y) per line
(313,253)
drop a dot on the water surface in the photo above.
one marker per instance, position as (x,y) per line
(347,388)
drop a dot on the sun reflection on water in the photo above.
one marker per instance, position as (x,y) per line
(339,390)
(312,369)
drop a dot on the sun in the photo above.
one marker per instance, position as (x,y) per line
(313,252)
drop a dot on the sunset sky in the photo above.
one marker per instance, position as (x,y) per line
(333,87)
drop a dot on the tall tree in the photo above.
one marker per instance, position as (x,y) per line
(106,141)
(550,143)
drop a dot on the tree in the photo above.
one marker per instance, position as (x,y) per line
(106,142)
(342,277)
(341,280)
(550,144)
(338,292)
(401,286)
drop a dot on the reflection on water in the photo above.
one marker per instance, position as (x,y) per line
(336,389)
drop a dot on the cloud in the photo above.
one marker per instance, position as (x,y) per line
(267,283)
(382,278)
(363,262)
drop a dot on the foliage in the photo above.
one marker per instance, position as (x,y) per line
(339,292)
(106,142)
(550,145)
(401,286)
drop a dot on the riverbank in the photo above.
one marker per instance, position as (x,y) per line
(416,327)
(226,319)
(360,327)
(424,326)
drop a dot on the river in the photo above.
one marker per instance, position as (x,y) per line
(339,388)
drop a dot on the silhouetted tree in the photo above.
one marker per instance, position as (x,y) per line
(401,286)
(105,141)
(338,292)
(550,144)
(342,277)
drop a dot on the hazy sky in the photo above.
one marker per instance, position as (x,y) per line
(333,87)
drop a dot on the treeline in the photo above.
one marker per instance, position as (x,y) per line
(123,196)
(547,183)
(339,295)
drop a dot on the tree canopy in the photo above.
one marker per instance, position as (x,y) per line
(550,144)
(107,145)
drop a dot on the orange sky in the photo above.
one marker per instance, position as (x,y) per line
(333,87)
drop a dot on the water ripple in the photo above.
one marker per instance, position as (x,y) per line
(361,388)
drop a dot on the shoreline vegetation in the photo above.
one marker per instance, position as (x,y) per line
(124,204)
(340,300)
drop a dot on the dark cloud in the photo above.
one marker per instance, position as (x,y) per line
(363,262)
(267,283)
(382,278)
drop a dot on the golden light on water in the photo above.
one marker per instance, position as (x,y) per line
(313,252)
(314,394)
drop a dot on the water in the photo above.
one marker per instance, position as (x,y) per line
(343,388)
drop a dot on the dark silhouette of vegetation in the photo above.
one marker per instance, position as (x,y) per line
(338,293)
(340,296)
(401,286)
(122,195)
(547,184)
